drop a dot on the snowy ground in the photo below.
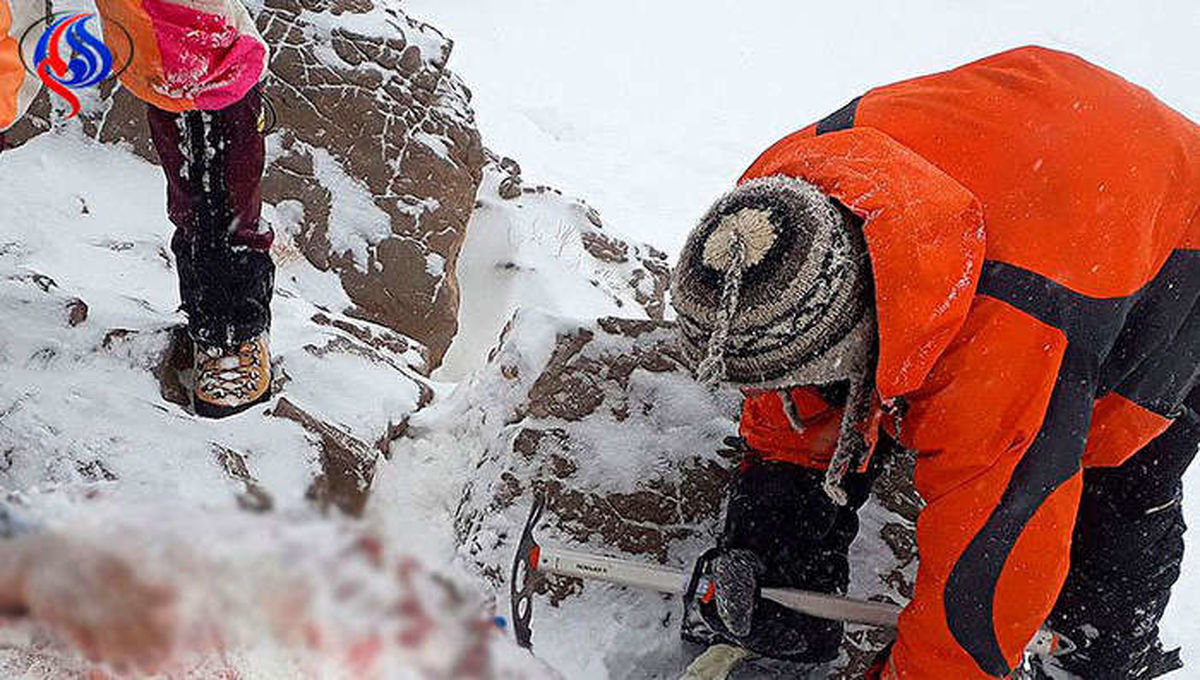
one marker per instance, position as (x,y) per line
(89,383)
(651,109)
(222,511)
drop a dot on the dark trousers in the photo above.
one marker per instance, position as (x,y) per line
(1126,551)
(213,162)
(1126,555)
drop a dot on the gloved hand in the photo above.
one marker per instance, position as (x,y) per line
(735,594)
(735,611)
(781,530)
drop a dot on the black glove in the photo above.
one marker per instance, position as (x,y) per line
(781,530)
(735,575)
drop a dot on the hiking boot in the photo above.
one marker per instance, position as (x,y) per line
(229,381)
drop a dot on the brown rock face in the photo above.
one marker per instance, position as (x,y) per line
(596,426)
(347,463)
(397,122)
(375,151)
(604,419)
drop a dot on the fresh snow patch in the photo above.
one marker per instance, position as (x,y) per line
(528,253)
(356,224)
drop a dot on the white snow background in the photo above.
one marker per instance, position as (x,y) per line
(652,109)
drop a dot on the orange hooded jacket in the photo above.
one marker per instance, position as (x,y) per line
(1033,223)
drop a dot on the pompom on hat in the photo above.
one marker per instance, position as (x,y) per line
(773,290)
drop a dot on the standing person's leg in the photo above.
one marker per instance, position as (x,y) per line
(1126,556)
(213,161)
(197,65)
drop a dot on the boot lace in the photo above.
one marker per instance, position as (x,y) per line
(225,374)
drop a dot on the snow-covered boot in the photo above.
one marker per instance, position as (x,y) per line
(231,380)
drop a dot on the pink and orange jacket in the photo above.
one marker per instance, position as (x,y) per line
(186,54)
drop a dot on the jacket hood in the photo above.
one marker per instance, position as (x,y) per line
(924,232)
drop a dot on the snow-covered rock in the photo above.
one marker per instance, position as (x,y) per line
(604,419)
(379,147)
(374,160)
(600,416)
(609,427)
(534,247)
(94,384)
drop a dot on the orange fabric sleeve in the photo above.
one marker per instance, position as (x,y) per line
(179,55)
(767,429)
(1191,236)
(12,73)
(17,87)
(139,56)
(1120,428)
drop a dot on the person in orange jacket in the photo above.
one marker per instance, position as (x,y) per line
(197,65)
(997,267)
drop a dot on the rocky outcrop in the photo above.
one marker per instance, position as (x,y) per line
(373,162)
(604,419)
(596,434)
(622,268)
(376,107)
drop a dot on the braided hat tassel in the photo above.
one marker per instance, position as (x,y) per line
(711,370)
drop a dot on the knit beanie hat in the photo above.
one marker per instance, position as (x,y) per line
(773,288)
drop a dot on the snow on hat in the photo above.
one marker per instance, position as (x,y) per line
(773,284)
